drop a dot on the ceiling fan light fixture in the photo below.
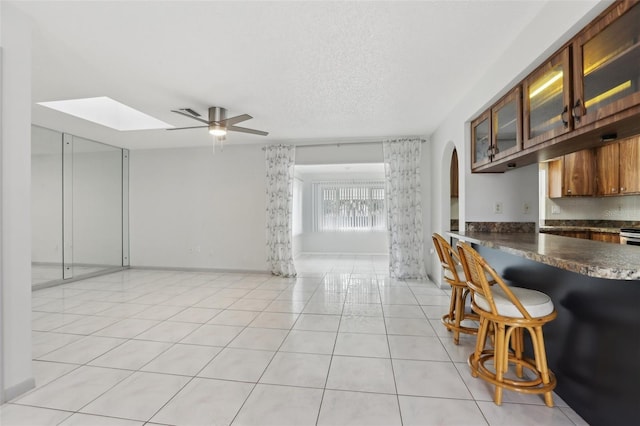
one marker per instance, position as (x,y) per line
(216,130)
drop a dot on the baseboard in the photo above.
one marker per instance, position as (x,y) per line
(215,270)
(326,253)
(54,283)
(16,390)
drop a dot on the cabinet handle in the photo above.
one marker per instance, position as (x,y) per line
(568,191)
(613,190)
(577,107)
(565,111)
(622,189)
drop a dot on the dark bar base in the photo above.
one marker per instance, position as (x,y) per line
(594,343)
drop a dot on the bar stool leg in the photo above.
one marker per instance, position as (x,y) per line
(501,352)
(480,344)
(541,362)
(459,313)
(518,348)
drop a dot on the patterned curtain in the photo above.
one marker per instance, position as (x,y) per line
(280,161)
(404,208)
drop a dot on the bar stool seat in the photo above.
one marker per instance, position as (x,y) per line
(507,312)
(537,303)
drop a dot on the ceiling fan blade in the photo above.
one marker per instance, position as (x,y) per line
(234,120)
(245,130)
(183,128)
(190,111)
(190,116)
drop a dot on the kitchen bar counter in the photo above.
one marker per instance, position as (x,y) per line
(593,344)
(592,258)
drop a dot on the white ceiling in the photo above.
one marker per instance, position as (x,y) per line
(320,71)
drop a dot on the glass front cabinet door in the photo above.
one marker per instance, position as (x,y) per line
(481,150)
(506,118)
(546,101)
(607,65)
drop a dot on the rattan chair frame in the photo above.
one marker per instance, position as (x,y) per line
(452,320)
(508,335)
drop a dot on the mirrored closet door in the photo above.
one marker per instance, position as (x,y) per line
(79,207)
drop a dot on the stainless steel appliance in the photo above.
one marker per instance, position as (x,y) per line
(630,236)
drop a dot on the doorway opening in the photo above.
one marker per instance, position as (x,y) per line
(339,217)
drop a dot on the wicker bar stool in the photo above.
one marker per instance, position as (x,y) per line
(510,310)
(454,275)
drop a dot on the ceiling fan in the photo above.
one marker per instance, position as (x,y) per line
(218,122)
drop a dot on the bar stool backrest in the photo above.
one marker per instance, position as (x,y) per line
(449,259)
(477,270)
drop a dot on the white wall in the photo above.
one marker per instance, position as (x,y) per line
(15,228)
(340,154)
(553,26)
(594,208)
(192,209)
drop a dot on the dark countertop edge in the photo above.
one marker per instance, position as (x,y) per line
(566,264)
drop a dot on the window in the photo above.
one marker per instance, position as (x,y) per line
(349,206)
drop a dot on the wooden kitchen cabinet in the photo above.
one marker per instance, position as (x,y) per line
(607,237)
(506,121)
(546,100)
(585,235)
(630,165)
(578,173)
(607,169)
(572,175)
(554,178)
(497,132)
(606,65)
(481,151)
(618,168)
(585,93)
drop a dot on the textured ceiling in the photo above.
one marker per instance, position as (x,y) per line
(305,71)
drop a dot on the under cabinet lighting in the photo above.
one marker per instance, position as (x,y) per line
(107,112)
(546,84)
(602,96)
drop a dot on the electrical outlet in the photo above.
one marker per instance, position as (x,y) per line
(526,208)
(497,208)
(555,209)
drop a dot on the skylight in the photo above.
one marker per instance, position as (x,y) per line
(107,112)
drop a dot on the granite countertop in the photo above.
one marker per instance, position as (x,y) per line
(547,228)
(593,258)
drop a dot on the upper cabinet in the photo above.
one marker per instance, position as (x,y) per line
(481,149)
(497,133)
(546,100)
(607,65)
(506,120)
(587,93)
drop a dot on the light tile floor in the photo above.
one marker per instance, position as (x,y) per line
(342,344)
